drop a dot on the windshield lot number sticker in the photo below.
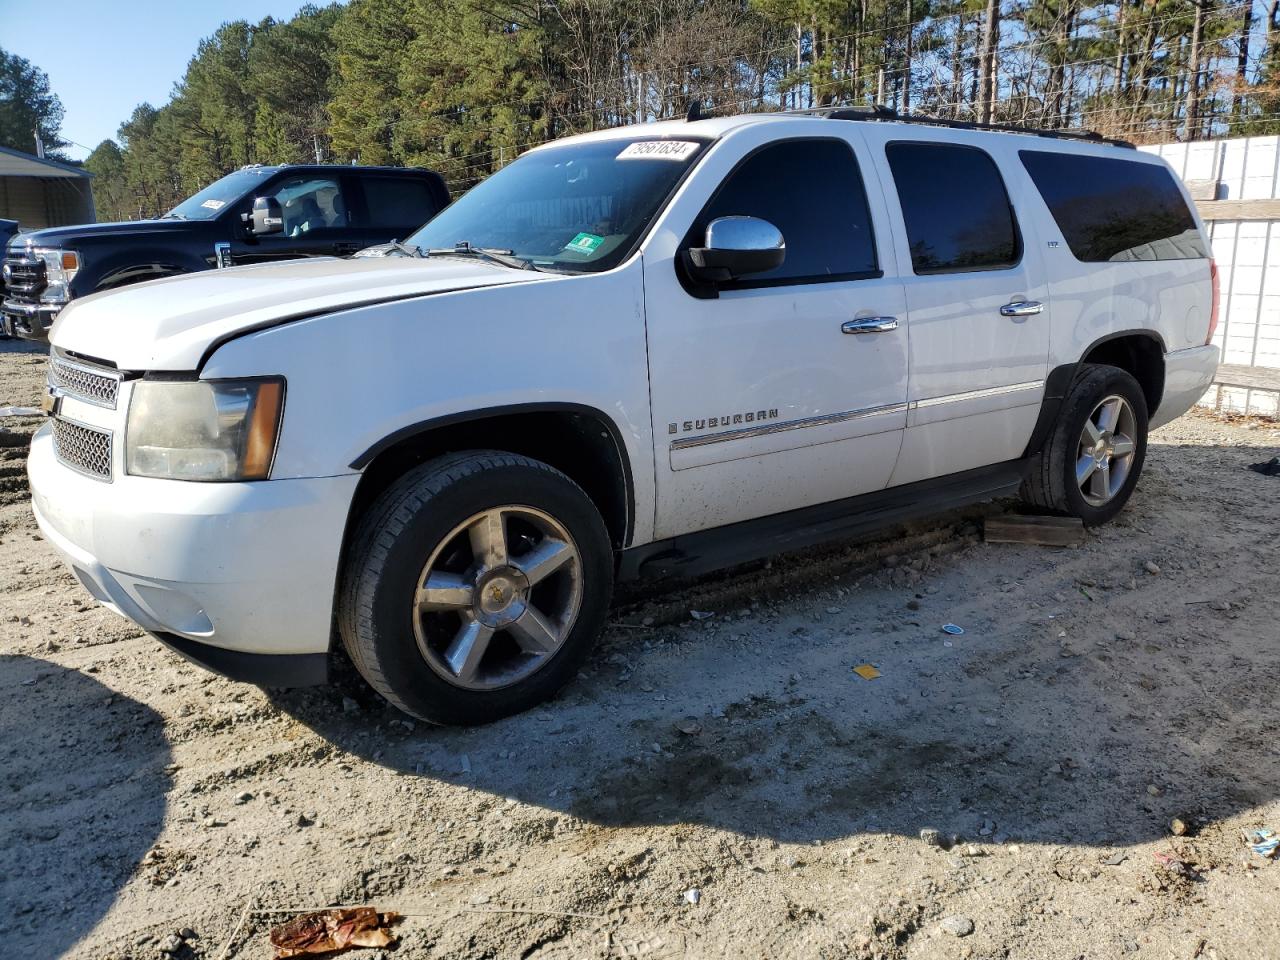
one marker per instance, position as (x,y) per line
(584,243)
(658,150)
(214,204)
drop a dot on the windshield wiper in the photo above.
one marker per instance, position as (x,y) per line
(503,258)
(407,250)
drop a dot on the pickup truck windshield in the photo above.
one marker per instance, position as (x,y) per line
(208,203)
(576,208)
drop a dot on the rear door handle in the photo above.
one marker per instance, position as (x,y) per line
(870,325)
(1021,308)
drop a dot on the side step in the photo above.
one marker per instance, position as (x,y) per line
(694,554)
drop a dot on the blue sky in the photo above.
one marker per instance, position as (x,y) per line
(104,57)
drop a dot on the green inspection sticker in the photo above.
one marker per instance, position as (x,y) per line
(584,243)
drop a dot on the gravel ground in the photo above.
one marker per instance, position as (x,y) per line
(716,787)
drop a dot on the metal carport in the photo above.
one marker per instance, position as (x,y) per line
(43,193)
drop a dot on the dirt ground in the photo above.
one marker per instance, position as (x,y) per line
(716,787)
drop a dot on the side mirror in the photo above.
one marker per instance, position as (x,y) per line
(736,247)
(267,217)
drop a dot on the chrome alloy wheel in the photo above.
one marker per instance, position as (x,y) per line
(498,597)
(1107,447)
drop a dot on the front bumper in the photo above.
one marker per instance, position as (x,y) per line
(234,576)
(30,321)
(1187,375)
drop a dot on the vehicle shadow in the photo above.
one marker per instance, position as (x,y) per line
(80,810)
(17,345)
(1074,709)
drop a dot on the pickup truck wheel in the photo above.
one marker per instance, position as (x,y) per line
(1093,457)
(475,587)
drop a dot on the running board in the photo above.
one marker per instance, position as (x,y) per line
(694,554)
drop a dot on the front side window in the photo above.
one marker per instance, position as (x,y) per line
(309,204)
(1110,209)
(955,206)
(578,207)
(812,191)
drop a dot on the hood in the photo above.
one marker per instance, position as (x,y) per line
(170,324)
(69,236)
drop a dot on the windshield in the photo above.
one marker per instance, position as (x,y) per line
(580,207)
(208,203)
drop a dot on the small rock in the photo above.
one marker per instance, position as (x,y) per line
(170,944)
(833,610)
(1153,790)
(243,798)
(1152,568)
(350,706)
(693,896)
(793,862)
(1178,827)
(913,604)
(701,614)
(957,926)
(931,836)
(690,728)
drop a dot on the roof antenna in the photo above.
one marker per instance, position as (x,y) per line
(695,111)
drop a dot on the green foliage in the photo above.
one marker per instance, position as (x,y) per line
(27,104)
(464,86)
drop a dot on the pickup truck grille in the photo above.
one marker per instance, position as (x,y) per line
(97,385)
(84,449)
(24,276)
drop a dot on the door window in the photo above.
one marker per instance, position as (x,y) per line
(955,206)
(1110,209)
(812,191)
(309,204)
(398,201)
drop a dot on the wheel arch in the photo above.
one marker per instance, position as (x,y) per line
(580,441)
(1138,352)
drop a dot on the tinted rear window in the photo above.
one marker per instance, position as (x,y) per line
(398,201)
(956,209)
(1110,209)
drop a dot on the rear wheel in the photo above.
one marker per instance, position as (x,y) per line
(475,587)
(1093,457)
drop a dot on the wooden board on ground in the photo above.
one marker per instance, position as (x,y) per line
(1045,531)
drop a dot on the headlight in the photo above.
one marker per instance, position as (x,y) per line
(203,429)
(60,268)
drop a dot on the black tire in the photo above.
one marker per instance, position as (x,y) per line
(1051,483)
(394,540)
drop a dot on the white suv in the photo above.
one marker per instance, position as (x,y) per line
(646,351)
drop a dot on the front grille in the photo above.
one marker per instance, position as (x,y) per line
(97,385)
(86,449)
(24,276)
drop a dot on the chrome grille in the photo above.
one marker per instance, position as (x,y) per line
(96,385)
(82,448)
(24,275)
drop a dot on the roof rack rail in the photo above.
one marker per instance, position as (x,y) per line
(877,111)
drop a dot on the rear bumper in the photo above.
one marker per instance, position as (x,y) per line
(1187,375)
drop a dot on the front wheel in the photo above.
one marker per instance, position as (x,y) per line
(475,587)
(1093,457)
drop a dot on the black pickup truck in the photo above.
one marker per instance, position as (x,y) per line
(254,215)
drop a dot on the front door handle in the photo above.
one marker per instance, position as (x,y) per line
(870,325)
(1021,308)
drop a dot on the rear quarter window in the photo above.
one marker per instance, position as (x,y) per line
(1115,210)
